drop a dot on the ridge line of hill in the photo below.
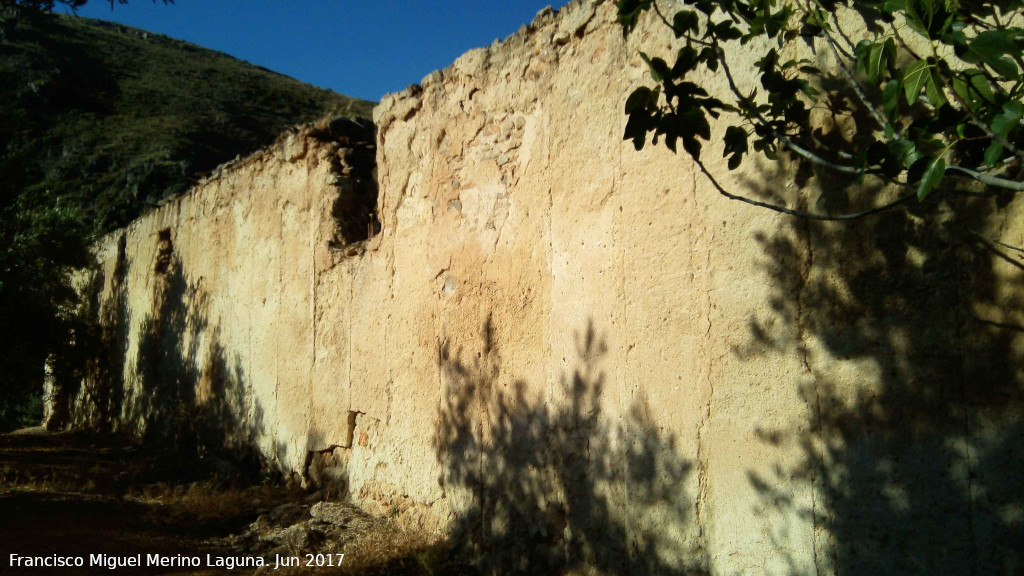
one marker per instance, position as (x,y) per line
(114,118)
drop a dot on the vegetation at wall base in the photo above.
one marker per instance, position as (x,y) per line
(39,248)
(918,92)
(98,123)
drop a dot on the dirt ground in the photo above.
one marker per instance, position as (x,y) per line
(78,495)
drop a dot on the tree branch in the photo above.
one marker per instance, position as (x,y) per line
(994,241)
(989,179)
(977,121)
(801,151)
(801,213)
(839,30)
(852,81)
(884,124)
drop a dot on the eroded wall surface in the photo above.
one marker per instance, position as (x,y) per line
(570,354)
(206,304)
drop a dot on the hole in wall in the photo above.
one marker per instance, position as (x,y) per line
(355,167)
(164,251)
(121,264)
(351,430)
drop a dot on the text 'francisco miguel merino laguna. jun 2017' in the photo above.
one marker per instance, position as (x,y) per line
(171,561)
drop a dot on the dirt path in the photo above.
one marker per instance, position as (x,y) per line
(76,495)
(97,498)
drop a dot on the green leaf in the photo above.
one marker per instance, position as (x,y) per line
(980,85)
(1009,119)
(992,48)
(914,79)
(873,58)
(861,52)
(1002,125)
(891,100)
(914,19)
(975,90)
(931,178)
(993,154)
(905,152)
(890,55)
(956,37)
(1004,67)
(933,89)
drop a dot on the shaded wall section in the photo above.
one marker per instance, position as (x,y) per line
(574,356)
(206,305)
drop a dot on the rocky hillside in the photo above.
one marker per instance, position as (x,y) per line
(116,118)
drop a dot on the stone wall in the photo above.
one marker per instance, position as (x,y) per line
(572,355)
(206,304)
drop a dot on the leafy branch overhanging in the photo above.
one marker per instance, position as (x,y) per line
(939,80)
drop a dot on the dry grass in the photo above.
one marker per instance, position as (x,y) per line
(208,502)
(385,548)
(107,496)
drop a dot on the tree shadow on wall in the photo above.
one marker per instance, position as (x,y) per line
(909,326)
(190,396)
(183,394)
(92,400)
(550,485)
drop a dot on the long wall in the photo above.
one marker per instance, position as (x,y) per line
(570,354)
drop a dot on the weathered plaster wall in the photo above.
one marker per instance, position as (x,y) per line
(207,303)
(572,354)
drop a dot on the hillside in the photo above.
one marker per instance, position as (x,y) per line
(117,118)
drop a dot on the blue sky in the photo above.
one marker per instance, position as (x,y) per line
(362,48)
